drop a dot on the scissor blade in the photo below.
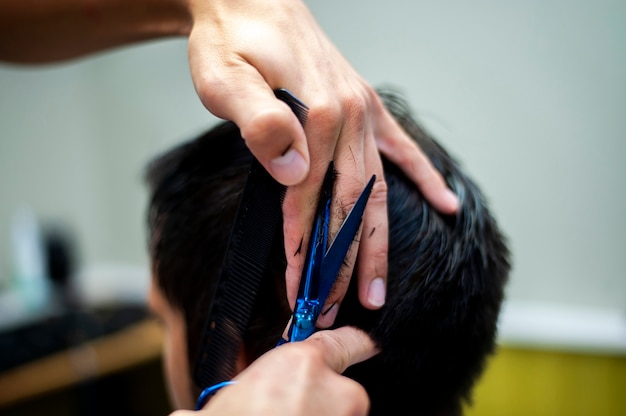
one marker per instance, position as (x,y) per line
(334,257)
(307,306)
(318,244)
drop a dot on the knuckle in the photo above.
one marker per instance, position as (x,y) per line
(211,82)
(354,389)
(379,262)
(331,110)
(342,353)
(265,126)
(308,354)
(355,108)
(208,87)
(361,402)
(325,114)
(379,191)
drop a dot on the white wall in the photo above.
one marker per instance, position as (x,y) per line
(530,96)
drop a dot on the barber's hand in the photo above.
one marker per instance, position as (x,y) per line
(300,379)
(239,52)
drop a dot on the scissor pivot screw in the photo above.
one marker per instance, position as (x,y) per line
(305,320)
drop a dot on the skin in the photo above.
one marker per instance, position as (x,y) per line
(298,379)
(239,52)
(175,363)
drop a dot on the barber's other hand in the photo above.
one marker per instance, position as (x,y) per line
(239,53)
(300,379)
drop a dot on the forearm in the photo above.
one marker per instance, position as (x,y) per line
(38,31)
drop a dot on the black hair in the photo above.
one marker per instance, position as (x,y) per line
(446,274)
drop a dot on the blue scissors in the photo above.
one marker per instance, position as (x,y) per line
(322,262)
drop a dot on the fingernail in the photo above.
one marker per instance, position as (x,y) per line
(327,318)
(452,199)
(290,168)
(376,292)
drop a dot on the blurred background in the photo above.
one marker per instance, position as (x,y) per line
(530,97)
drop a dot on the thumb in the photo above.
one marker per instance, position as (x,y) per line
(268,125)
(343,347)
(276,138)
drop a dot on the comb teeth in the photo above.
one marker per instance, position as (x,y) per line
(257,223)
(297,106)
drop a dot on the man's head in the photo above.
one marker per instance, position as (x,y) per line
(446,275)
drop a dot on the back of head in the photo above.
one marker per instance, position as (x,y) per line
(445,280)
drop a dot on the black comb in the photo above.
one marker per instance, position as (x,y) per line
(256,225)
(298,107)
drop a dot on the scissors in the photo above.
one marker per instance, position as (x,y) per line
(322,262)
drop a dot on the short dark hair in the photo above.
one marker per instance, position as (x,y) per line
(446,275)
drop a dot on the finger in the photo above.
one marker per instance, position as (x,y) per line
(360,160)
(300,203)
(347,191)
(350,180)
(343,347)
(237,92)
(374,239)
(299,209)
(400,149)
(285,335)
